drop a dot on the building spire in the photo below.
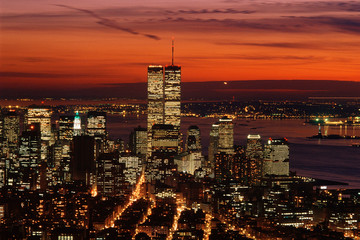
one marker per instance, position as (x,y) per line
(172,54)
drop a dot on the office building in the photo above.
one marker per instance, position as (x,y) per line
(11,130)
(3,172)
(226,136)
(254,158)
(82,165)
(110,174)
(276,157)
(28,167)
(165,143)
(41,115)
(66,130)
(164,97)
(155,96)
(188,162)
(193,139)
(77,125)
(213,144)
(221,140)
(138,141)
(96,125)
(172,95)
(133,167)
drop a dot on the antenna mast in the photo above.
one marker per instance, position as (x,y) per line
(172,55)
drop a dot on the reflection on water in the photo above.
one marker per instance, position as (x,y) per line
(321,158)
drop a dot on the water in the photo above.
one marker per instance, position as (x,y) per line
(327,159)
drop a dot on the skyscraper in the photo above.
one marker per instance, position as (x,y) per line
(164,97)
(11,132)
(29,157)
(193,139)
(213,143)
(96,125)
(40,115)
(221,139)
(254,158)
(110,174)
(66,131)
(77,124)
(138,141)
(226,135)
(155,108)
(165,142)
(155,92)
(82,165)
(276,157)
(172,91)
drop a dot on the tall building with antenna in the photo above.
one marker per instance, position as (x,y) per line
(164,95)
(172,93)
(164,105)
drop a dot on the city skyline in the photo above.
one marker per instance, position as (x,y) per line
(250,130)
(91,44)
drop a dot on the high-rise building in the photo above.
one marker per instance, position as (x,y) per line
(110,174)
(66,131)
(193,139)
(221,140)
(226,135)
(163,121)
(82,165)
(96,125)
(223,166)
(9,137)
(28,166)
(276,157)
(155,105)
(254,158)
(138,141)
(213,143)
(165,142)
(77,124)
(61,157)
(11,129)
(40,115)
(164,97)
(1,126)
(155,91)
(188,162)
(133,167)
(172,95)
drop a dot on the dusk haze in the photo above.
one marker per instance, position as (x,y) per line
(180,120)
(50,44)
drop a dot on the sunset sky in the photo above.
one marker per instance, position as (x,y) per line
(87,43)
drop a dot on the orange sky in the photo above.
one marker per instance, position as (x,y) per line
(84,43)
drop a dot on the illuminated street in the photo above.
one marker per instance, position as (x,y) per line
(207,230)
(135,195)
(180,208)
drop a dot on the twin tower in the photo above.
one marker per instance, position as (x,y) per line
(164,98)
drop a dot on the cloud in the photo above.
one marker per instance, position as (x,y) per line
(273,44)
(349,24)
(109,22)
(211,11)
(38,75)
(286,90)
